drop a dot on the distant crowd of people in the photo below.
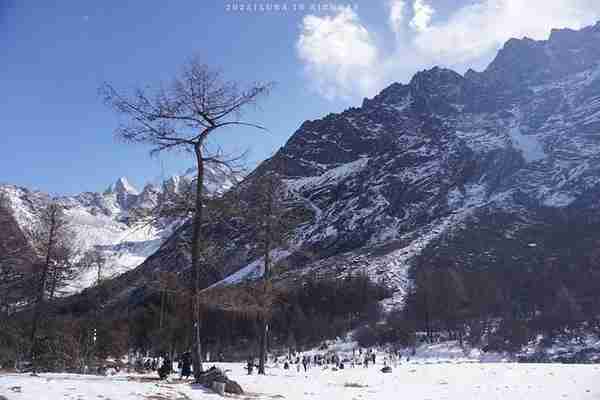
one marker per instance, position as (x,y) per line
(294,360)
(332,360)
(164,365)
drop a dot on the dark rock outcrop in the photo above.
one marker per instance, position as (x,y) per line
(214,374)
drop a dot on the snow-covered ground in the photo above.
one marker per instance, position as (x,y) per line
(415,380)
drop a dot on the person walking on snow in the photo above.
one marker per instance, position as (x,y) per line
(166,368)
(186,365)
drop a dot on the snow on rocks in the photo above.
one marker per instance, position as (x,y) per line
(333,175)
(252,271)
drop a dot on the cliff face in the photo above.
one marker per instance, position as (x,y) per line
(423,164)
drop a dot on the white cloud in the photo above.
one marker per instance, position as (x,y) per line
(343,60)
(396,17)
(422,15)
(339,54)
(484,26)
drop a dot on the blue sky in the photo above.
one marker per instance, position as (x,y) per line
(57,134)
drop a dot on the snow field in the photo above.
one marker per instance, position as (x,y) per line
(412,380)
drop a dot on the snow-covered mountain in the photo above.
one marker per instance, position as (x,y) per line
(446,159)
(100,220)
(484,167)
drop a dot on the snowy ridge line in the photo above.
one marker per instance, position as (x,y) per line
(100,221)
(251,272)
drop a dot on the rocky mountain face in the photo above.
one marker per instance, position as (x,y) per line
(101,220)
(428,163)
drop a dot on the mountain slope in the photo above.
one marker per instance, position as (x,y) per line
(422,163)
(101,220)
(472,163)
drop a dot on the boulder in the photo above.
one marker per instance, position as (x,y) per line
(219,387)
(213,374)
(233,387)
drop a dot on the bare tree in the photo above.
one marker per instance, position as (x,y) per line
(14,261)
(51,240)
(94,259)
(64,269)
(183,116)
(16,275)
(11,281)
(272,220)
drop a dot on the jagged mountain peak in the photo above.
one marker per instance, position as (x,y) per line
(122,185)
(437,90)
(125,193)
(435,75)
(527,61)
(150,187)
(428,82)
(217,178)
(393,95)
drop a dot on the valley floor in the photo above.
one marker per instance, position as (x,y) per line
(413,380)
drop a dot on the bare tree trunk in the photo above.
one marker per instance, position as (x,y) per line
(36,318)
(264,326)
(41,296)
(53,284)
(17,357)
(427,321)
(162,291)
(197,225)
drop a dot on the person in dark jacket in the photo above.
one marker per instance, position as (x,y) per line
(186,365)
(250,365)
(166,368)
